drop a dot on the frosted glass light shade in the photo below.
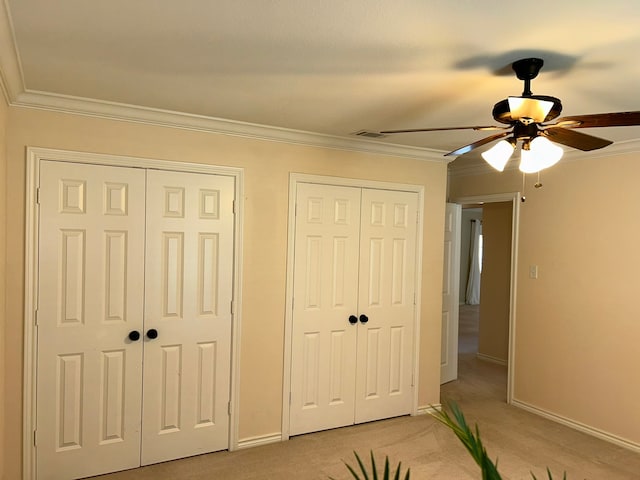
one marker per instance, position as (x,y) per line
(524,107)
(498,155)
(542,154)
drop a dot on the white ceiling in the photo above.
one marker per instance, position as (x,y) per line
(331,67)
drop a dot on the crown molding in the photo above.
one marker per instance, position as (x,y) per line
(173,119)
(572,155)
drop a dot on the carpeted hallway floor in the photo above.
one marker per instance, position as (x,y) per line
(523,442)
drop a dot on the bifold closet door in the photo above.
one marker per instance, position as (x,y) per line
(90,303)
(187,354)
(353,306)
(133,265)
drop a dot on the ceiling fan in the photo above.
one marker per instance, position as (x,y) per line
(526,116)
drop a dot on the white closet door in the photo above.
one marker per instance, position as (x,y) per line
(91,286)
(189,271)
(325,296)
(387,299)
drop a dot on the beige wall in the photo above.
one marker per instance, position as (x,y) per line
(495,284)
(577,326)
(267,166)
(3,203)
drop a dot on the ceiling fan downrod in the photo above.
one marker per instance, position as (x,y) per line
(527,69)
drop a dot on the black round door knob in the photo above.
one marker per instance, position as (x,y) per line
(134,335)
(364,318)
(152,333)
(353,319)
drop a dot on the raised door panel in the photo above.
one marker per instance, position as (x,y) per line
(384,384)
(189,271)
(90,292)
(325,295)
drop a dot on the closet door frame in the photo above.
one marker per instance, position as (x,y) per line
(34,155)
(294,180)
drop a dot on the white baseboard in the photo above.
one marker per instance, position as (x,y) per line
(429,409)
(259,440)
(601,434)
(489,358)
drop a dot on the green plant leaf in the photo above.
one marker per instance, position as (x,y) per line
(373,467)
(564,476)
(362,467)
(471,441)
(374,471)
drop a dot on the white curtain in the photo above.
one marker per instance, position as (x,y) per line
(472,296)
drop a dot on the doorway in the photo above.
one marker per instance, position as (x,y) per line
(494,338)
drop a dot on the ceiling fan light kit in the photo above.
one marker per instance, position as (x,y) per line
(525,116)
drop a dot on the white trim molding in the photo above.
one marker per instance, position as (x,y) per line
(594,432)
(429,409)
(33,158)
(173,119)
(259,441)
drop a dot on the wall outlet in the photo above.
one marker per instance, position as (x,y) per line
(533,272)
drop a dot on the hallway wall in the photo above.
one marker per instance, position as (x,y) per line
(495,284)
(576,325)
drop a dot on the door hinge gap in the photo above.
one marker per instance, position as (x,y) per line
(231,306)
(35,315)
(38,195)
(229,408)
(233,206)
(35,438)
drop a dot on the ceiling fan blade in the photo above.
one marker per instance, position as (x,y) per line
(574,139)
(616,119)
(414,130)
(479,143)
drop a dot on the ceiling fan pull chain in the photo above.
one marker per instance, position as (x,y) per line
(523,198)
(538,184)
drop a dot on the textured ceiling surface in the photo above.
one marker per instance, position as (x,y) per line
(334,67)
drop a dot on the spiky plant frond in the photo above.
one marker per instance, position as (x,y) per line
(564,477)
(364,474)
(471,441)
